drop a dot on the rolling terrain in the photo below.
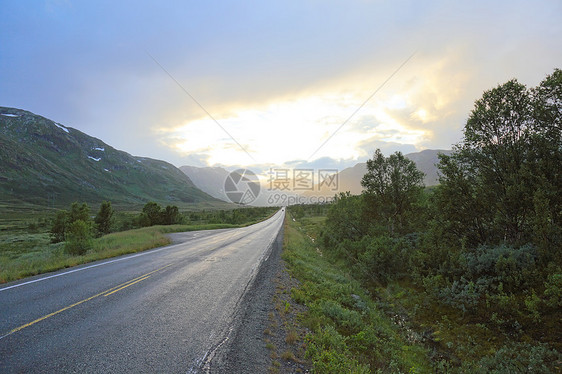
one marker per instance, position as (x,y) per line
(47,164)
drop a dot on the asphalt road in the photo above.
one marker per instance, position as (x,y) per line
(165,310)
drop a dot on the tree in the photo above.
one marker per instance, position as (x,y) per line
(343,221)
(78,238)
(79,212)
(59,225)
(104,218)
(545,167)
(153,213)
(461,215)
(143,220)
(496,145)
(170,215)
(509,165)
(392,187)
(63,218)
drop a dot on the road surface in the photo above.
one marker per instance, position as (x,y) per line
(164,310)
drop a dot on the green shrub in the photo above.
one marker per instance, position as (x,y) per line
(347,321)
(78,238)
(329,353)
(553,290)
(517,358)
(57,232)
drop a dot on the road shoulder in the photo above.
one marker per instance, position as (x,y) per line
(264,325)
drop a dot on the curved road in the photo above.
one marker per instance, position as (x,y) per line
(163,310)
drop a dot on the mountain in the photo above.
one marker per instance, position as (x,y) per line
(208,179)
(212,179)
(350,179)
(45,163)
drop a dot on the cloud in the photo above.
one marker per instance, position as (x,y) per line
(280,77)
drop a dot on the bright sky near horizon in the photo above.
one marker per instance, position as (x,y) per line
(280,77)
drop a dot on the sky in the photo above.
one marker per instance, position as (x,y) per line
(274,83)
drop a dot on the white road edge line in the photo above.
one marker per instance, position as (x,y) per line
(93,266)
(89,267)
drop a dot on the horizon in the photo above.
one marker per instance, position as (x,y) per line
(295,85)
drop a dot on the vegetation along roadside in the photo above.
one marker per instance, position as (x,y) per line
(461,278)
(37,243)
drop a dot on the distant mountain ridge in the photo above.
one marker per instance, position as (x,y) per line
(45,163)
(208,179)
(211,179)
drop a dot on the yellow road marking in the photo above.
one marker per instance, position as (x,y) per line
(106,293)
(130,284)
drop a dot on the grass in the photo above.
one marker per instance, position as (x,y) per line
(349,333)
(24,254)
(292,337)
(398,326)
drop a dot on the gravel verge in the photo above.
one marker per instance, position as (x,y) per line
(261,325)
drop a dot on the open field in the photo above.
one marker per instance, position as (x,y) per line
(26,248)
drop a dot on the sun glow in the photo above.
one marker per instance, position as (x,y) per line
(293,130)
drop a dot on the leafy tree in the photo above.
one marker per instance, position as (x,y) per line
(78,238)
(143,220)
(153,212)
(343,221)
(79,212)
(170,215)
(461,216)
(392,185)
(545,167)
(104,218)
(59,225)
(505,176)
(496,139)
(63,219)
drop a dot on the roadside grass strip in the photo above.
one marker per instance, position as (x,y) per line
(348,332)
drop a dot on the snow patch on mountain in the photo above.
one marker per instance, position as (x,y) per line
(10,115)
(61,127)
(98,149)
(93,158)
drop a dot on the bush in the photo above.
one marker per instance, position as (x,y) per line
(78,238)
(501,264)
(553,290)
(329,353)
(57,232)
(517,358)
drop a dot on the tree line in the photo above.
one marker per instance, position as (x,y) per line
(76,228)
(487,240)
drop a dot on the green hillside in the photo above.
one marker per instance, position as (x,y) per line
(45,163)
